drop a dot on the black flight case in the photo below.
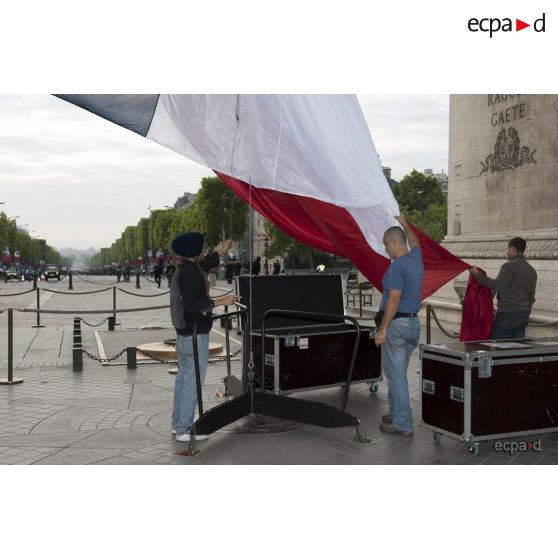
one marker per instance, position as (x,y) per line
(486,390)
(302,354)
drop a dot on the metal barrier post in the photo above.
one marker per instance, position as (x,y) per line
(10,380)
(114,304)
(111,323)
(138,280)
(428,325)
(70,285)
(38,324)
(360,301)
(77,358)
(34,280)
(131,362)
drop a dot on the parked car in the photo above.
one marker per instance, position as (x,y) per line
(52,271)
(11,274)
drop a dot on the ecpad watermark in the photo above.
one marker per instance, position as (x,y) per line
(513,446)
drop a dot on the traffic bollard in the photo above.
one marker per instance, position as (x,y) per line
(131,362)
(70,286)
(138,280)
(77,359)
(34,280)
(10,380)
(111,320)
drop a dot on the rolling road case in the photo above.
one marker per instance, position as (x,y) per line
(486,390)
(301,354)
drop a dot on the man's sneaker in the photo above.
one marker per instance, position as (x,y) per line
(391,429)
(186,437)
(386,419)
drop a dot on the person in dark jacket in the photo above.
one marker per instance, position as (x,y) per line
(158,272)
(515,287)
(169,272)
(194,292)
(256,265)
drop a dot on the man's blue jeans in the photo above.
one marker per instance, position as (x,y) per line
(402,339)
(185,392)
(510,326)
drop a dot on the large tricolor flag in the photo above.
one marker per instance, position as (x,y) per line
(305,162)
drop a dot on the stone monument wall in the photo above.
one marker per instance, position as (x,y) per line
(503,182)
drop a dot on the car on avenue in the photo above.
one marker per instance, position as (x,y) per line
(11,274)
(52,271)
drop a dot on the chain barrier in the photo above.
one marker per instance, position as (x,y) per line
(161,360)
(93,325)
(93,357)
(18,294)
(81,293)
(142,295)
(443,330)
(111,311)
(94,282)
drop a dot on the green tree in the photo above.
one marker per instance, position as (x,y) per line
(433,221)
(217,211)
(416,192)
(421,198)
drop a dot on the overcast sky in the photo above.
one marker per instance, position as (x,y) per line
(78,180)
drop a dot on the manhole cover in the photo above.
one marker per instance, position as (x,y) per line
(258,424)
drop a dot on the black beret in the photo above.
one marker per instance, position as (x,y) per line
(188,244)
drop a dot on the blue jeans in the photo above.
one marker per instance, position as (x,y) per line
(510,326)
(402,339)
(185,392)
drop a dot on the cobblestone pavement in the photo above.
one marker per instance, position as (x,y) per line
(111,415)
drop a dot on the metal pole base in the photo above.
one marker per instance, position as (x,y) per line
(8,382)
(38,326)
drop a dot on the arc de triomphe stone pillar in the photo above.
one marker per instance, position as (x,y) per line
(503,182)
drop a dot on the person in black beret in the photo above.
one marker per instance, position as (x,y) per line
(190,298)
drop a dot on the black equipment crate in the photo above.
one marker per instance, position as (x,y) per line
(486,390)
(302,355)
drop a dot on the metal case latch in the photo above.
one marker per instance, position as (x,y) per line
(485,366)
(457,394)
(290,340)
(428,386)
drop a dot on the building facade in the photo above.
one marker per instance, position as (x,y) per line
(503,182)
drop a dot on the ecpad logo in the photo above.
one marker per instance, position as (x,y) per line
(493,25)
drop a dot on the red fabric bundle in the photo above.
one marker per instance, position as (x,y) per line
(478,314)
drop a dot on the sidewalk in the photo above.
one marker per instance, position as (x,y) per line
(111,415)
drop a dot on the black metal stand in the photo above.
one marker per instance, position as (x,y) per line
(253,402)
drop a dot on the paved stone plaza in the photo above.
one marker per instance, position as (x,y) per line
(111,415)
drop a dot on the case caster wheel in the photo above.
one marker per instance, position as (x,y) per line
(373,387)
(474,449)
(436,436)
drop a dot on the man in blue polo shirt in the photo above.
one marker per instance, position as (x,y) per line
(398,323)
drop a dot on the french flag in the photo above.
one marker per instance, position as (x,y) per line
(305,162)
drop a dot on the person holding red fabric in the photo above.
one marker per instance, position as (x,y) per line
(515,287)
